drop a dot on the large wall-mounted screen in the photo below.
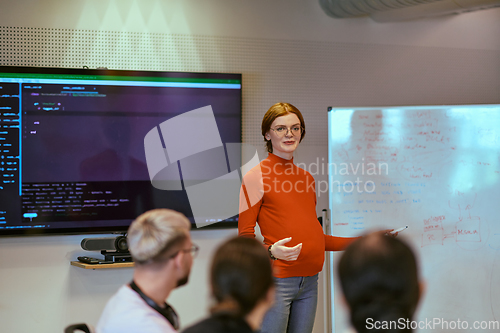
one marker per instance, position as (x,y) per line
(72,157)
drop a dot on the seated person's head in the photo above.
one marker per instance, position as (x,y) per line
(241,280)
(159,235)
(379,279)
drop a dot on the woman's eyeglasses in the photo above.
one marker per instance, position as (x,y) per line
(283,130)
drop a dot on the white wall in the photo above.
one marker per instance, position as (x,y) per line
(271,19)
(286,50)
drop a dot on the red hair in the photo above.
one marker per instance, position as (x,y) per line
(279,110)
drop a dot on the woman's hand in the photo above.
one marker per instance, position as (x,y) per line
(280,251)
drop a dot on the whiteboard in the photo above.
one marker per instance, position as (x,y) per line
(437,170)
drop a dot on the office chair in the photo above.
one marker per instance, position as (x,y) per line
(77,328)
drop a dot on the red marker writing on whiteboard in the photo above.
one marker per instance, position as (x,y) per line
(398,230)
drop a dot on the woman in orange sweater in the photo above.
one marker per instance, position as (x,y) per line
(281,198)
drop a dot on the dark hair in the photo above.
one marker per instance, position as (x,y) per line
(379,278)
(241,276)
(278,110)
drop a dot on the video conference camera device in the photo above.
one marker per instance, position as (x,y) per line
(118,244)
(114,249)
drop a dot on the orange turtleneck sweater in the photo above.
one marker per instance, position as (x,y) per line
(281,197)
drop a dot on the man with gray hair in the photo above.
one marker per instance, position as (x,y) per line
(162,250)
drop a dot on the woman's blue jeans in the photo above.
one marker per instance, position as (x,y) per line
(295,307)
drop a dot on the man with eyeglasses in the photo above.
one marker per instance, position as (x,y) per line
(163,253)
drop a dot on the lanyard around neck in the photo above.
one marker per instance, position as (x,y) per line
(168,312)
